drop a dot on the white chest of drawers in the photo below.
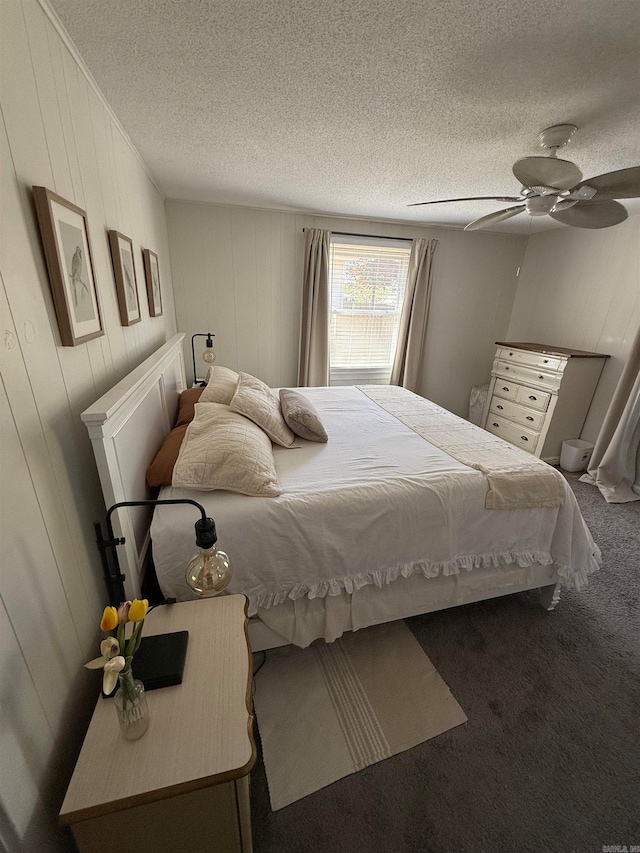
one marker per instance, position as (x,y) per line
(539,395)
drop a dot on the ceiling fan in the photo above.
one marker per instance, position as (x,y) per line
(555,187)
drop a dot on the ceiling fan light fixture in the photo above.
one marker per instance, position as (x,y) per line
(538,205)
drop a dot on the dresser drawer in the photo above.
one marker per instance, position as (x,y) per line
(515,412)
(527,374)
(530,359)
(529,397)
(532,398)
(513,433)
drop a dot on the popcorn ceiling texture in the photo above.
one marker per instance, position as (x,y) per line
(361,107)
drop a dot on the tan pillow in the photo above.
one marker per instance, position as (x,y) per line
(301,415)
(221,386)
(160,471)
(223,450)
(186,405)
(257,401)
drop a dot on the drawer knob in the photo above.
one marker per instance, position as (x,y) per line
(531,397)
(510,353)
(540,376)
(495,424)
(507,368)
(504,388)
(524,438)
(529,418)
(545,361)
(499,407)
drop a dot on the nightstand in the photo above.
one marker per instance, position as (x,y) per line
(184,786)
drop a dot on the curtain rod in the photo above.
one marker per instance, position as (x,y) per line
(372,236)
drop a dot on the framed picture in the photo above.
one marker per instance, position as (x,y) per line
(152,274)
(65,239)
(125,276)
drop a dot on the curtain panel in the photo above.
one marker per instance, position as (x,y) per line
(614,463)
(313,362)
(407,364)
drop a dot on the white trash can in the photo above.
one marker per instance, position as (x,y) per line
(575,454)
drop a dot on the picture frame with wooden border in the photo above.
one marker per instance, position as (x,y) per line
(124,272)
(152,276)
(67,250)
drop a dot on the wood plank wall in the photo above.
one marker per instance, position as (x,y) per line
(581,289)
(237,272)
(57,132)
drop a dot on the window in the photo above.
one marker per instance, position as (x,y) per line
(367,281)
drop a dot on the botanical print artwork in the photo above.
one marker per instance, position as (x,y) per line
(76,267)
(156,286)
(130,290)
(152,274)
(124,273)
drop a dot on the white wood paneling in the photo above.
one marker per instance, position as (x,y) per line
(238,273)
(55,131)
(581,289)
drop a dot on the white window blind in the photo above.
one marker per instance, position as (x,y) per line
(367,279)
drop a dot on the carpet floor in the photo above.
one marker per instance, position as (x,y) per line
(549,761)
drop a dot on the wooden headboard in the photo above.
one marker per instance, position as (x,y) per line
(127,426)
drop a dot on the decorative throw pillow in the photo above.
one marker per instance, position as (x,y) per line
(160,471)
(223,450)
(301,415)
(186,405)
(221,386)
(257,401)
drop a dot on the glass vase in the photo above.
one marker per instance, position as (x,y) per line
(131,705)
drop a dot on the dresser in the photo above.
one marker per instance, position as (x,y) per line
(539,395)
(184,786)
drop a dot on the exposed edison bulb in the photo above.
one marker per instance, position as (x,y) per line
(209,354)
(209,572)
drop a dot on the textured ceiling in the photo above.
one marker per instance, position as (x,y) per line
(359,107)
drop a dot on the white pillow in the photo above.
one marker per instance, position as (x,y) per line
(221,385)
(301,415)
(259,403)
(223,450)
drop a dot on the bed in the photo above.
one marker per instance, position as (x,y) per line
(378,524)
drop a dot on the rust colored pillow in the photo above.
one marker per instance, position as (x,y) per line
(160,472)
(188,400)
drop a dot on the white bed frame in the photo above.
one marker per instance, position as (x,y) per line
(127,426)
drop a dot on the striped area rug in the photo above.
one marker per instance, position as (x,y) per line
(331,709)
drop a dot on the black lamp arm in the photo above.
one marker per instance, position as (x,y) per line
(208,336)
(114,578)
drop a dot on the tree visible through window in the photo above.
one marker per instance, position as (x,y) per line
(367,280)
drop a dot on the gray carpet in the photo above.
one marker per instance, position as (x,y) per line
(550,758)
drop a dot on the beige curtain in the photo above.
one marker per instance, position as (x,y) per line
(407,364)
(614,462)
(313,363)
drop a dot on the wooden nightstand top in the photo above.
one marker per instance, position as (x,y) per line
(200,732)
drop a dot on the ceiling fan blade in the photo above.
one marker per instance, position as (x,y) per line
(592,214)
(498,216)
(547,172)
(473,198)
(625,183)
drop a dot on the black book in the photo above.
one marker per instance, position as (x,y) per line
(159,661)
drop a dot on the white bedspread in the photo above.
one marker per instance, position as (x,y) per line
(375,503)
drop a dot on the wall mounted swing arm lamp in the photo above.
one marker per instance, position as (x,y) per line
(207,573)
(208,356)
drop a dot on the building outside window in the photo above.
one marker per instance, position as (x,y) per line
(367,280)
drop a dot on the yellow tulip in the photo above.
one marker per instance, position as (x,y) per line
(138,610)
(109,619)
